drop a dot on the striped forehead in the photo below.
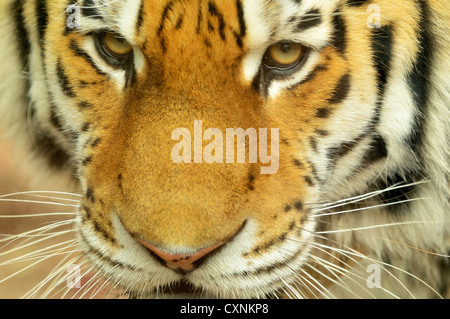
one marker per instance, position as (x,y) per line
(267,21)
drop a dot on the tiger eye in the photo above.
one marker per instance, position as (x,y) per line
(285,54)
(117,45)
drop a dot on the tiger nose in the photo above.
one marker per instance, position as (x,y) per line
(183,262)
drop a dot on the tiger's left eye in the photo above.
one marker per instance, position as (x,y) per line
(117,45)
(114,49)
(284,55)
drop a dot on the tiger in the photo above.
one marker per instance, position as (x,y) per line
(349,97)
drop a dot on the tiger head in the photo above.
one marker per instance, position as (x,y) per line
(205,134)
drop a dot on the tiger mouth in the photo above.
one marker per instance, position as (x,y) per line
(182,287)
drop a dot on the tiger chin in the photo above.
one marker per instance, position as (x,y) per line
(356,92)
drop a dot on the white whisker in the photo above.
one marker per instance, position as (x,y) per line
(62,265)
(34,252)
(376,226)
(368,207)
(37,202)
(363,197)
(46,228)
(36,215)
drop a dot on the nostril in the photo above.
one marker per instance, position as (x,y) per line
(183,262)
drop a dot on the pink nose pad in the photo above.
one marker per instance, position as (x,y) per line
(184,262)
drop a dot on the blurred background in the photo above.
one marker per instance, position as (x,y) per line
(24,258)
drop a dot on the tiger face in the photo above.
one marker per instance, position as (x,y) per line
(123,76)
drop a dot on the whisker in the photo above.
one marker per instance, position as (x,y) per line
(62,277)
(412,247)
(53,274)
(368,207)
(40,192)
(86,284)
(94,294)
(362,197)
(36,215)
(351,251)
(102,286)
(377,226)
(25,268)
(346,273)
(322,290)
(12,238)
(40,255)
(292,289)
(34,252)
(37,202)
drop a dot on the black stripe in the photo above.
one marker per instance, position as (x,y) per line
(382,41)
(99,230)
(24,46)
(54,118)
(312,75)
(42,19)
(240,10)
(340,32)
(81,53)
(314,172)
(86,126)
(179,23)
(356,3)
(337,152)
(251,182)
(298,205)
(90,195)
(130,76)
(47,146)
(199,17)
(322,133)
(63,80)
(377,151)
(164,17)
(419,78)
(312,19)
(86,161)
(96,142)
(242,26)
(323,113)
(341,91)
(105,259)
(140,19)
(313,143)
(278,266)
(22,35)
(309,181)
(85,105)
(212,8)
(90,10)
(297,163)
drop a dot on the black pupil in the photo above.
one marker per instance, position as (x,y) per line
(120,40)
(285,47)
